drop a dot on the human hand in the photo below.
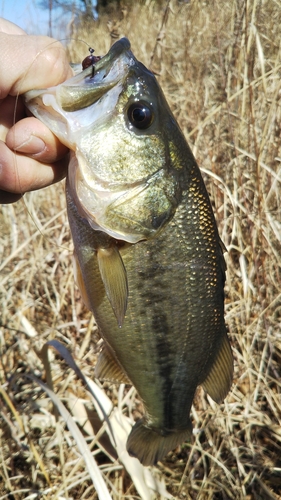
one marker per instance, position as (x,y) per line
(31,157)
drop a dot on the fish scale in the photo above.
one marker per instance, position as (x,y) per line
(149,260)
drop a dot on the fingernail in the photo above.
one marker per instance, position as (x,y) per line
(32,146)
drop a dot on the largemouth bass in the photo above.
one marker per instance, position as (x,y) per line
(149,260)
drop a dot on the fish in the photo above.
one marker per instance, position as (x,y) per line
(148,257)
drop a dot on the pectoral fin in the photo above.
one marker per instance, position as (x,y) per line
(108,369)
(218,382)
(114,277)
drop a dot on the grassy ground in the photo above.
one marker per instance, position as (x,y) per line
(219,64)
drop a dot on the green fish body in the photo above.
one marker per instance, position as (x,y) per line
(149,260)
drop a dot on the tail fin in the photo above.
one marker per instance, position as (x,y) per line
(149,445)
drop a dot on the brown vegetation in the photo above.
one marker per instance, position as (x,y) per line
(219,64)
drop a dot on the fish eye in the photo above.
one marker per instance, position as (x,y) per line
(140,115)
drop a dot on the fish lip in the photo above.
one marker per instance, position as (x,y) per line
(102,68)
(110,63)
(116,51)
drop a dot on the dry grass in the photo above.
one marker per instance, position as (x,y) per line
(219,64)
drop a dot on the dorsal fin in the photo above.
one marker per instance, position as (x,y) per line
(114,277)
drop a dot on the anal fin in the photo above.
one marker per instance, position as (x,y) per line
(219,380)
(108,369)
(114,277)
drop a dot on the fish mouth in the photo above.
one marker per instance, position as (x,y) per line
(102,76)
(86,88)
